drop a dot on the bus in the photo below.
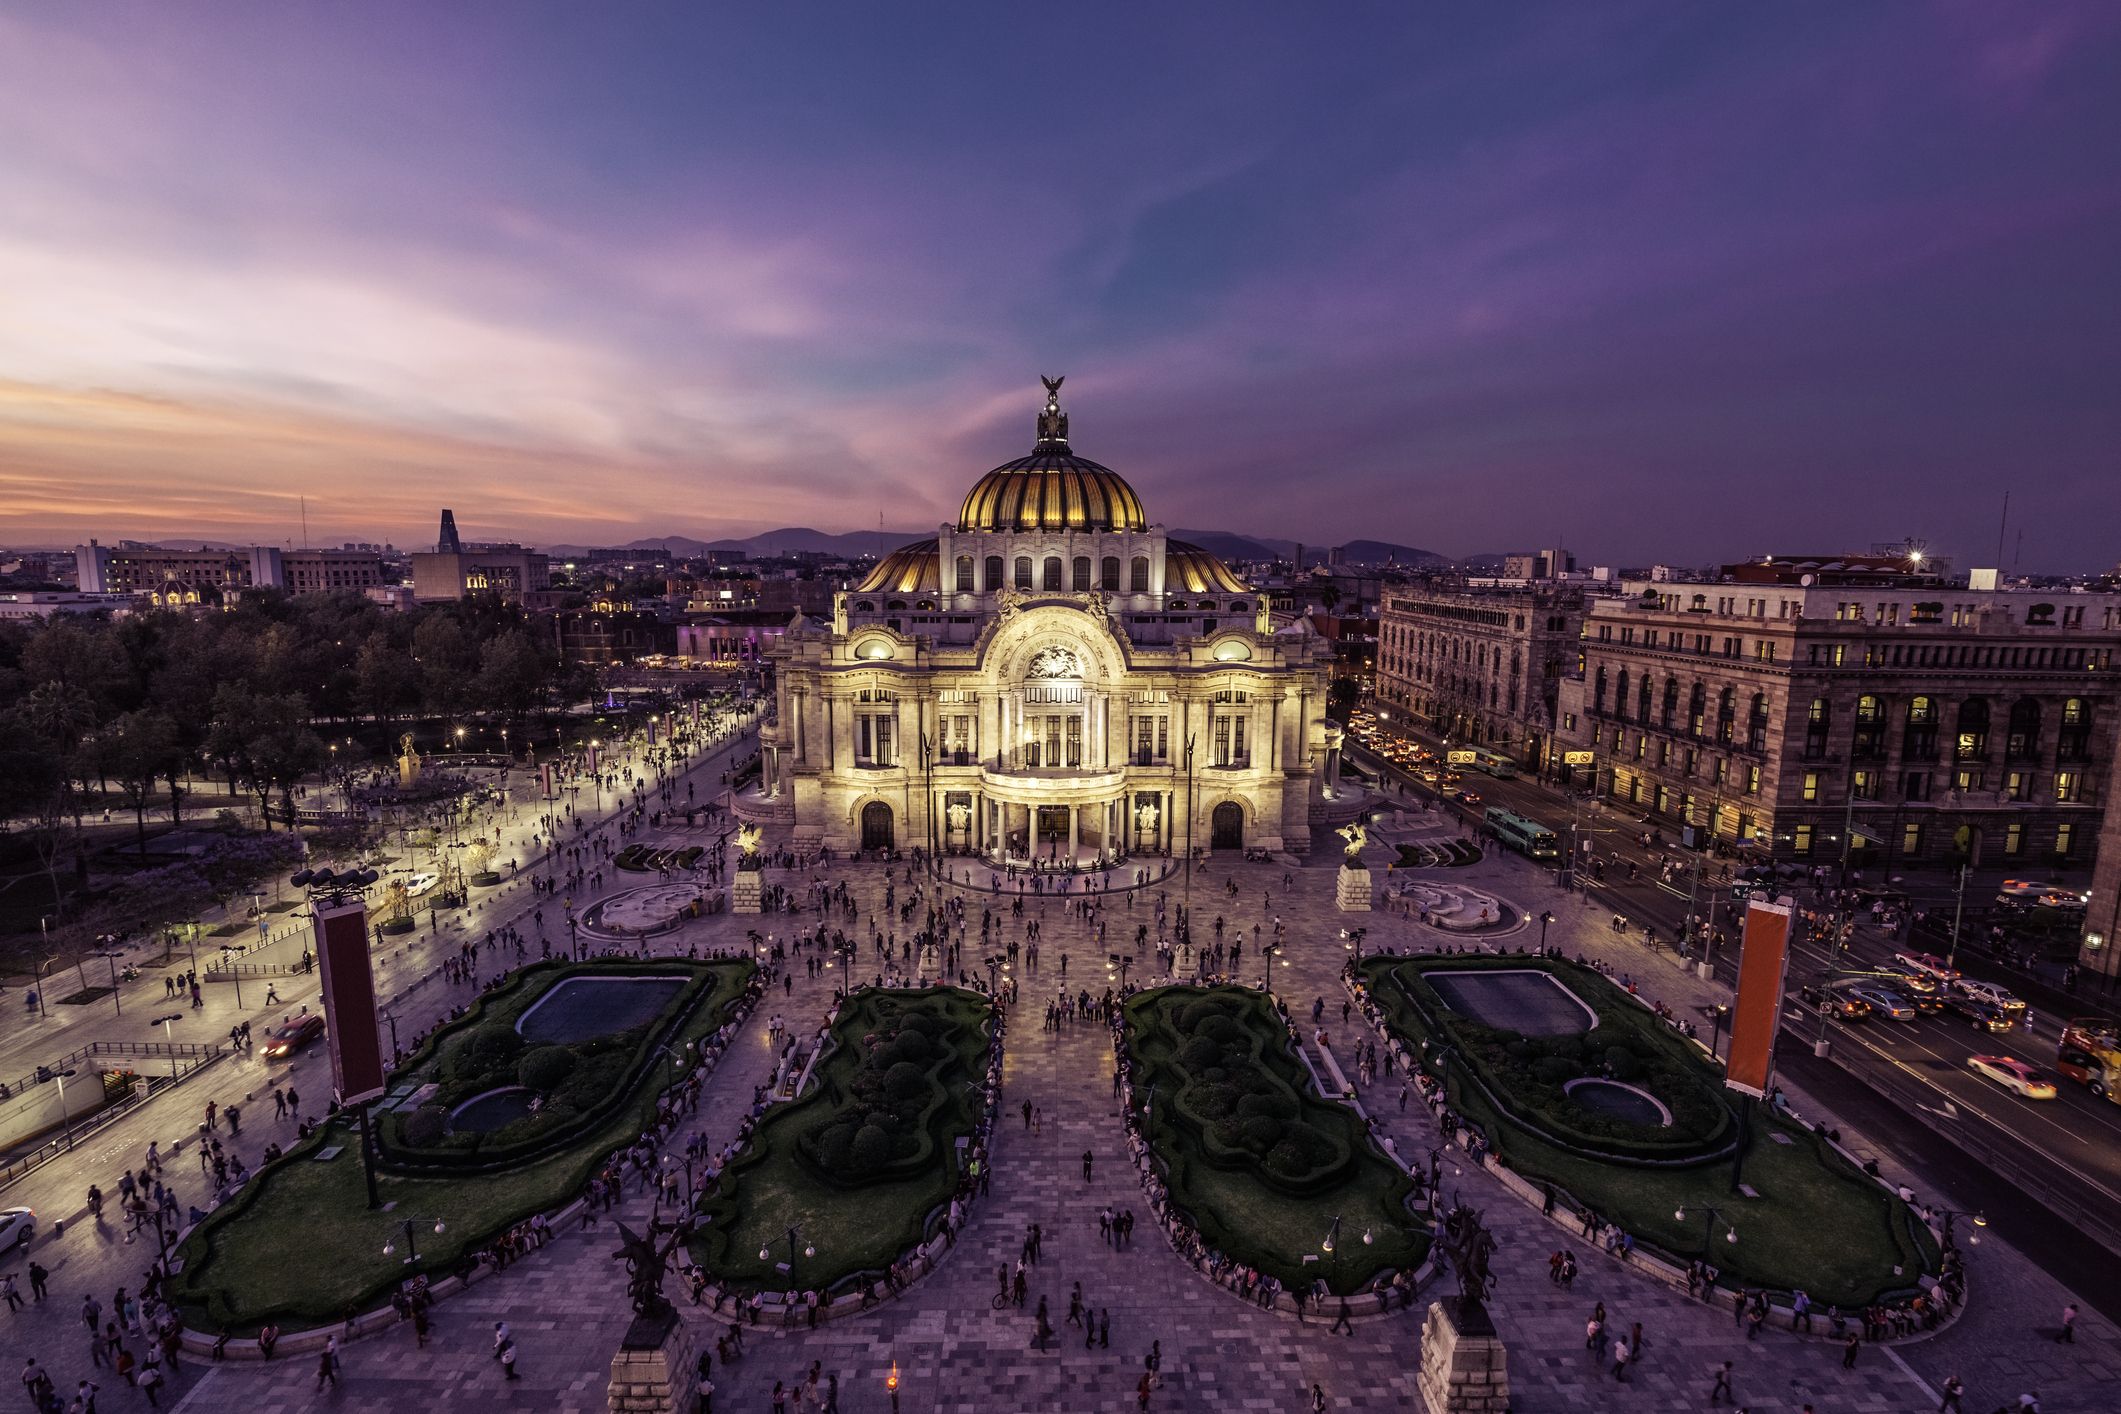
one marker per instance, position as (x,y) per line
(1502,768)
(1527,837)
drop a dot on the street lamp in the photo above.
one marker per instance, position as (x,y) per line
(1973,1239)
(412,1253)
(1332,1235)
(1718,1017)
(66,1116)
(1711,1216)
(168,1039)
(766,1251)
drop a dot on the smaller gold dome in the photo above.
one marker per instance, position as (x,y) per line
(1052,489)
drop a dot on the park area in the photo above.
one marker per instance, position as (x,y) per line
(1264,1170)
(593,1044)
(864,1162)
(1628,1119)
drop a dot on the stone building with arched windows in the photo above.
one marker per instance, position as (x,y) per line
(1051,676)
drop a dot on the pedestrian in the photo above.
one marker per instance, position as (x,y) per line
(1104,1328)
(1318,1400)
(508,1361)
(1954,1387)
(328,1364)
(2068,1335)
(40,1281)
(9,1293)
(1721,1390)
(1620,1360)
(1848,1351)
(1086,1165)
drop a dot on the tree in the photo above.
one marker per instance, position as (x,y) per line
(512,675)
(136,750)
(386,680)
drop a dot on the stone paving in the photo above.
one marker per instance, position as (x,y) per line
(955,1352)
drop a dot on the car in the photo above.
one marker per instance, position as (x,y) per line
(2015,1075)
(17,1227)
(1997,997)
(1469,797)
(421,883)
(291,1036)
(1929,964)
(1908,978)
(1983,1016)
(1844,1005)
(1430,775)
(1884,1000)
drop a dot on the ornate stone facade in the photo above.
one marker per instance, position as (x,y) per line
(1051,677)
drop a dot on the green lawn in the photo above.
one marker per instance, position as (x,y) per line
(300,1245)
(1247,1196)
(855,1225)
(1819,1223)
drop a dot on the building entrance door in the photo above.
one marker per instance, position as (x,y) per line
(876,825)
(1052,824)
(1227,826)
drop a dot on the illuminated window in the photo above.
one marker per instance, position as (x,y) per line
(1801,839)
(1811,785)
(1911,839)
(2065,840)
(2014,838)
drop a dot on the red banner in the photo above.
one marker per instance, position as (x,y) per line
(1763,962)
(349,1001)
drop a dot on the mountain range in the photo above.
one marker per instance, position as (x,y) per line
(801,540)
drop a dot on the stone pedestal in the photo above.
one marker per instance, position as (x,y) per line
(1464,1368)
(656,1369)
(1352,890)
(747,887)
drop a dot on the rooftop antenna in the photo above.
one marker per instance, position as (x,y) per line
(2000,528)
(305,522)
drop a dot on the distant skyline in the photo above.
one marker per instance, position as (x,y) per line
(1654,281)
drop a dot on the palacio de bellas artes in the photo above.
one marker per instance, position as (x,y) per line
(945,708)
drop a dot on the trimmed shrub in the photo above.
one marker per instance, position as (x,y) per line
(872,1147)
(1555,1070)
(543,1068)
(423,1127)
(905,1081)
(1621,1064)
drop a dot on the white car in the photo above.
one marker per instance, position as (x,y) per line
(2014,1075)
(17,1227)
(421,883)
(1997,997)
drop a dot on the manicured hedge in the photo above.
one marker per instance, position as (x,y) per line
(1527,1074)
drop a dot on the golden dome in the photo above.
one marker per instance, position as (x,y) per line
(1052,489)
(910,569)
(1190,569)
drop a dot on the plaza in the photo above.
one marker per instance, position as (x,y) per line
(948,1344)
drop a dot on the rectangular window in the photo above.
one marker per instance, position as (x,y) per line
(1752,780)
(2068,784)
(2018,785)
(1811,786)
(2014,838)
(1801,839)
(1967,778)
(1915,785)
(1911,839)
(2065,840)
(1864,785)
(1075,741)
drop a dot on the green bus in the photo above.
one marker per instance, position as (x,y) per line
(1502,768)
(1527,837)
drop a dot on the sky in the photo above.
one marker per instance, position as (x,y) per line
(1658,282)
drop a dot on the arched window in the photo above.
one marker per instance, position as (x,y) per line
(1697,710)
(1642,698)
(1598,690)
(1620,698)
(1139,574)
(1726,714)
(1108,573)
(1671,702)
(1919,742)
(1023,571)
(1050,579)
(1818,722)
(994,574)
(2023,743)
(863,606)
(1971,743)
(1869,743)
(1080,582)
(964,574)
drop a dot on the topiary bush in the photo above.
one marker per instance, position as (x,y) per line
(543,1068)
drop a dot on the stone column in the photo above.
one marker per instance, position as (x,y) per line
(1074,811)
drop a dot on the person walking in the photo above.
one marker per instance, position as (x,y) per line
(1087,1157)
(1318,1400)
(1849,1349)
(1721,1390)
(2067,1335)
(1620,1360)
(1954,1388)
(328,1364)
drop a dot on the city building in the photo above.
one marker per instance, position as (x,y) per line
(50,603)
(206,574)
(1479,663)
(455,569)
(609,634)
(1795,706)
(1051,675)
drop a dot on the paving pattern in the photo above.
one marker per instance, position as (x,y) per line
(955,1352)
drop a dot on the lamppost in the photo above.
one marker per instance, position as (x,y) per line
(41,982)
(1546,916)
(595,771)
(168,1038)
(766,1251)
(1950,1215)
(1190,811)
(1332,1235)
(1958,911)
(412,1253)
(1718,1017)
(66,1116)
(1711,1215)
(391,1017)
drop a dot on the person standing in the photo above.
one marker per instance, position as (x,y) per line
(1954,1388)
(1620,1360)
(1087,1157)
(2067,1336)
(1848,1351)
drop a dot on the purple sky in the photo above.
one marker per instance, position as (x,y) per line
(1670,281)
